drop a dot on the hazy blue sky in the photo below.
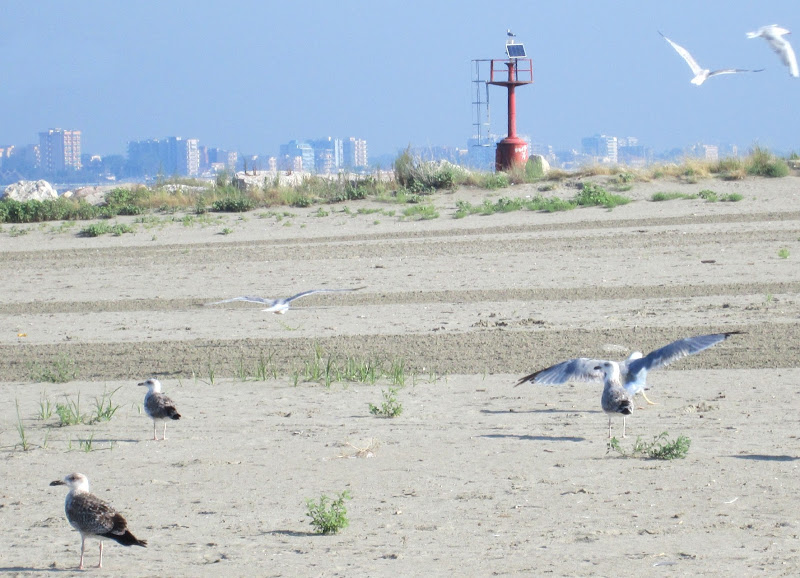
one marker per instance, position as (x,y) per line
(249,75)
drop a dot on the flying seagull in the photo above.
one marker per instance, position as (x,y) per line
(773,34)
(158,406)
(92,517)
(509,33)
(700,73)
(280,306)
(615,398)
(633,371)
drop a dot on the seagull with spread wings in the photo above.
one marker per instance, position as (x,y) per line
(773,34)
(702,74)
(632,371)
(281,305)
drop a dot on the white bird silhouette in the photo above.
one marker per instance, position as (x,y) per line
(700,73)
(633,371)
(280,306)
(773,34)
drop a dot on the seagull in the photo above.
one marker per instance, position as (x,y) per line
(773,34)
(700,73)
(158,406)
(92,517)
(633,371)
(281,305)
(509,33)
(616,398)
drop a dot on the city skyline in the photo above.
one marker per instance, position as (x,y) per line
(251,75)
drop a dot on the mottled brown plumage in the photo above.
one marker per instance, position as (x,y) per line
(93,517)
(158,406)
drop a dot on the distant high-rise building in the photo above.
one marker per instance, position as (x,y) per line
(327,155)
(601,148)
(294,150)
(355,153)
(60,150)
(167,157)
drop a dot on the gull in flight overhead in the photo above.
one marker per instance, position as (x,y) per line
(700,73)
(280,306)
(92,517)
(773,34)
(632,371)
(616,398)
(509,33)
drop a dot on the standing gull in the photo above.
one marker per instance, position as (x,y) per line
(92,517)
(700,73)
(281,305)
(773,34)
(633,371)
(615,398)
(158,406)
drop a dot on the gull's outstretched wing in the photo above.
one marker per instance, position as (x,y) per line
(580,369)
(696,68)
(773,34)
(248,298)
(732,71)
(310,291)
(675,350)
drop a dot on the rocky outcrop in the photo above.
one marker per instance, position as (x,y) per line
(30,190)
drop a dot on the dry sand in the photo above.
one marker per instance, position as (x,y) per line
(476,477)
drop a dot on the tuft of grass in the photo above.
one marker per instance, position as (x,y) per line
(661,448)
(226,231)
(658,197)
(69,413)
(390,407)
(783,253)
(61,370)
(593,195)
(104,408)
(328,516)
(763,163)
(421,212)
(23,438)
(87,445)
(45,407)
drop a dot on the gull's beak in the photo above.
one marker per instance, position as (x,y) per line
(58,483)
(142,383)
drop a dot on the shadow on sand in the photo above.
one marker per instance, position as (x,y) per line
(535,438)
(766,458)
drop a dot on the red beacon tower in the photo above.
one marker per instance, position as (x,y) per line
(512,72)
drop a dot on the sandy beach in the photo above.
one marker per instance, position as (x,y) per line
(476,477)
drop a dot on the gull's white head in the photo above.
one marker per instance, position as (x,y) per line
(152,385)
(75,482)
(610,370)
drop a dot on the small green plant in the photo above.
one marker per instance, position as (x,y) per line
(421,212)
(226,231)
(45,407)
(104,408)
(61,370)
(69,413)
(783,253)
(87,444)
(390,407)
(328,516)
(708,195)
(661,448)
(593,195)
(23,438)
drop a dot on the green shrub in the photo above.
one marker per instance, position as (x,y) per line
(233,204)
(593,195)
(328,516)
(762,163)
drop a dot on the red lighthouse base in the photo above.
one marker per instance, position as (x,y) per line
(510,151)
